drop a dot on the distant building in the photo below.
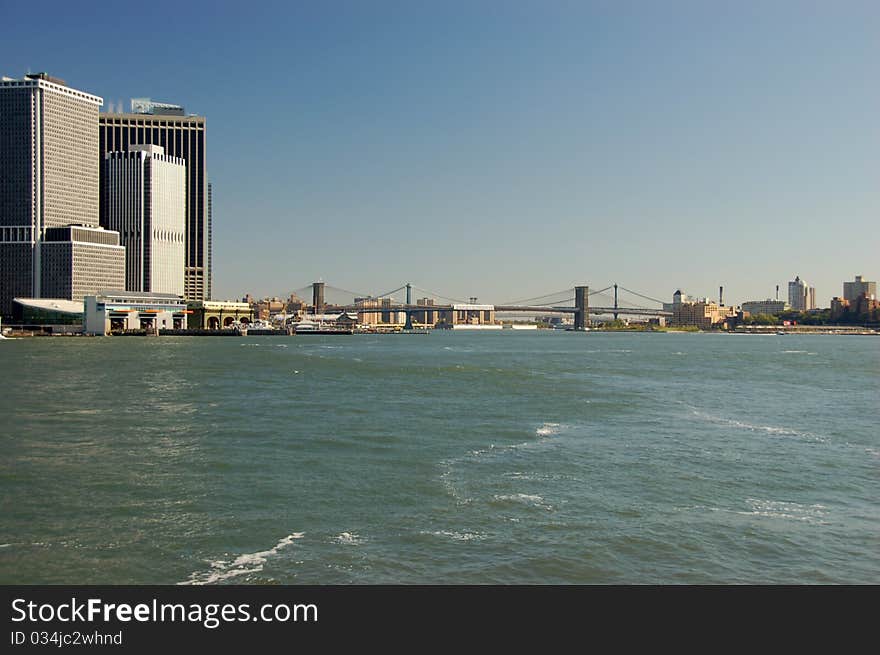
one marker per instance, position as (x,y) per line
(859,287)
(426,318)
(49,171)
(145,201)
(700,313)
(217,314)
(469,314)
(377,311)
(801,296)
(184,137)
(862,308)
(768,307)
(677,299)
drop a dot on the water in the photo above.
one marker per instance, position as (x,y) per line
(443,458)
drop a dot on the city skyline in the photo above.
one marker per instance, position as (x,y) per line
(504,151)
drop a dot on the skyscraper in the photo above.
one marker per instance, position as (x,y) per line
(801,296)
(49,178)
(145,200)
(182,136)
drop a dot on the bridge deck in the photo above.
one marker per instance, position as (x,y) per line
(629,311)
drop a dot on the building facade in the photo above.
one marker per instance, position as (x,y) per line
(801,296)
(768,307)
(703,314)
(80,260)
(859,287)
(145,201)
(217,314)
(118,311)
(49,174)
(182,137)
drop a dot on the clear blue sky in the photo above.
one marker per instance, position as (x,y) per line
(507,149)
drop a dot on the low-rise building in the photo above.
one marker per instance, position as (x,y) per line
(702,313)
(467,314)
(120,311)
(768,307)
(52,315)
(218,314)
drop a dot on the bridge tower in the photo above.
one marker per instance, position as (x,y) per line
(318,297)
(615,301)
(408,293)
(582,304)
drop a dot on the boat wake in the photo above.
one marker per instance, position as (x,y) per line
(245,564)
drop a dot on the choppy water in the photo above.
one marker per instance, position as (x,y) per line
(442,458)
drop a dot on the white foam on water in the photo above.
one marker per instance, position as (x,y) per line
(449,486)
(779,509)
(547,429)
(348,538)
(5,545)
(242,565)
(455,535)
(524,499)
(769,429)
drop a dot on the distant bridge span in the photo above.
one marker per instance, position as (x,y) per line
(581,309)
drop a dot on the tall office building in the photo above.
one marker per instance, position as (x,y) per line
(852,290)
(49,178)
(145,201)
(801,296)
(209,274)
(162,124)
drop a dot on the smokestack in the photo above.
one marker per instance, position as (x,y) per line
(777,292)
(721,296)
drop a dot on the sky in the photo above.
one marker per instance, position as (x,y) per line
(504,150)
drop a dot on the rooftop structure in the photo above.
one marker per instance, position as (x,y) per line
(148,106)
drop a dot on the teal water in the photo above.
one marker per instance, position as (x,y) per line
(545,457)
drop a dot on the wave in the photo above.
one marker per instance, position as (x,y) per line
(242,565)
(544,433)
(348,538)
(532,500)
(455,535)
(769,429)
(547,429)
(779,509)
